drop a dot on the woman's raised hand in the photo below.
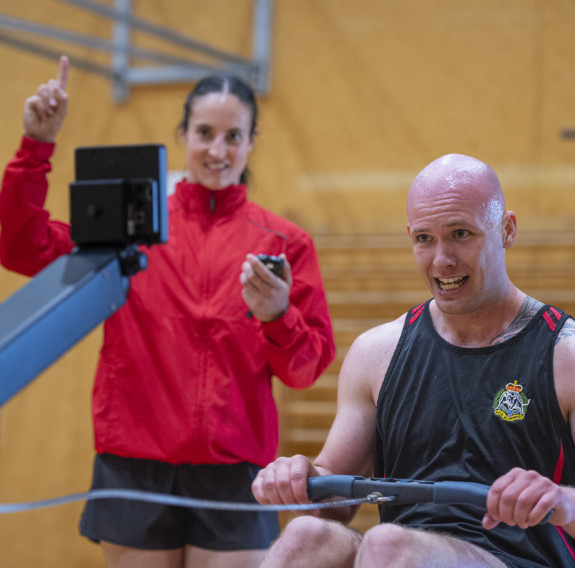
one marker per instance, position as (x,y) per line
(45,111)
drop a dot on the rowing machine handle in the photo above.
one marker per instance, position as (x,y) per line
(403,491)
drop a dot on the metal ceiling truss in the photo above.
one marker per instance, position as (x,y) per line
(165,68)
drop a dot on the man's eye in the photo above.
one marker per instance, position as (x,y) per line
(461,233)
(423,238)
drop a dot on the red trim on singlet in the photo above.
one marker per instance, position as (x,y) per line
(562,535)
(556,312)
(558,473)
(548,317)
(556,479)
(549,320)
(416,312)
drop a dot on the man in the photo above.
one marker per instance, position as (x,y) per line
(475,385)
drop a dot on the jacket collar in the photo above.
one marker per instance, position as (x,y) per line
(195,198)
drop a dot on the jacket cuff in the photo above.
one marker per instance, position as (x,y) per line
(280,331)
(36,149)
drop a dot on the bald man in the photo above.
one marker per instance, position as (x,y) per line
(477,384)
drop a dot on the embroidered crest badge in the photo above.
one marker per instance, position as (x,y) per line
(510,403)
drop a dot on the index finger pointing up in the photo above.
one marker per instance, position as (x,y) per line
(63,72)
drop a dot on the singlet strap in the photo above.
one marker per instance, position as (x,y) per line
(416,312)
(552,316)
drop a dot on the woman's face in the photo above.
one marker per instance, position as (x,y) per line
(218,140)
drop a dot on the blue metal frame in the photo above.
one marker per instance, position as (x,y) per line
(53,311)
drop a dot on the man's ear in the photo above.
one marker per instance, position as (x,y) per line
(509,228)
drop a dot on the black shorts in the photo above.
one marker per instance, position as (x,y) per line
(139,524)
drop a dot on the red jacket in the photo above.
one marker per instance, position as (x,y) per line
(184,375)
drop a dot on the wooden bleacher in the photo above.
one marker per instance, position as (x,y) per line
(371,279)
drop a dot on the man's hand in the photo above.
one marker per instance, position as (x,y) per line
(524,498)
(284,481)
(45,111)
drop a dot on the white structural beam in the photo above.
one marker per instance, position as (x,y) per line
(154,67)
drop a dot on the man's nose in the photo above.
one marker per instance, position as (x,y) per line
(444,255)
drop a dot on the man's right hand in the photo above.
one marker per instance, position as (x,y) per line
(45,111)
(284,481)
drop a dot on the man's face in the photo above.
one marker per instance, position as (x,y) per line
(458,248)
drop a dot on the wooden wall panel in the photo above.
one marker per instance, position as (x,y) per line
(364,94)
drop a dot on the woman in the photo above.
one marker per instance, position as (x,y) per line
(182,398)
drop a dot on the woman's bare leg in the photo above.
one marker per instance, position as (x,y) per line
(124,557)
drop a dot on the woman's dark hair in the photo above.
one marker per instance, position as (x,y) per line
(220,84)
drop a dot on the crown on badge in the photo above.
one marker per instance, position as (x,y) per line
(514,387)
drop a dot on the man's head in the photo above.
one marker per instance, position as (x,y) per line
(459,229)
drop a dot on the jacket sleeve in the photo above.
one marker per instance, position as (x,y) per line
(301,343)
(29,240)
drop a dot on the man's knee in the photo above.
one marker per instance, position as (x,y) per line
(385,543)
(309,541)
(303,532)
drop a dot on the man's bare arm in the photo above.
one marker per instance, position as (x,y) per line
(349,445)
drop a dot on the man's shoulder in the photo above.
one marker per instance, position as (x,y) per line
(565,342)
(386,332)
(563,365)
(568,328)
(377,344)
(367,360)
